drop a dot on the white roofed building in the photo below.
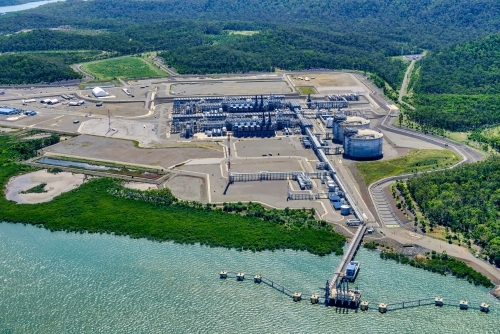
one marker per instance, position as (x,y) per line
(99,92)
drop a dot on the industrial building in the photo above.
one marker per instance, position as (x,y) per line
(341,122)
(363,143)
(245,116)
(99,92)
(9,111)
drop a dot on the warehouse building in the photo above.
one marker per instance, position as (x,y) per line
(9,111)
(99,92)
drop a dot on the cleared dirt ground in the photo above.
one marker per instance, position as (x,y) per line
(325,79)
(116,109)
(285,146)
(188,188)
(231,87)
(92,147)
(56,184)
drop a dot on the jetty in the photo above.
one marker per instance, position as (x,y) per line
(337,290)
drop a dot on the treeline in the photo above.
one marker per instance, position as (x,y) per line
(295,34)
(427,24)
(468,68)
(32,68)
(465,199)
(288,49)
(203,48)
(458,87)
(291,219)
(27,149)
(442,264)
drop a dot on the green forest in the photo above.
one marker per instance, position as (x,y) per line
(458,86)
(466,200)
(195,37)
(104,206)
(33,68)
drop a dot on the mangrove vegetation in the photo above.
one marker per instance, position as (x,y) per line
(104,206)
(442,264)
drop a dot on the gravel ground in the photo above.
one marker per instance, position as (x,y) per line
(284,146)
(188,188)
(231,87)
(92,147)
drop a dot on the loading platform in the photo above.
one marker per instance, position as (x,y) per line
(351,298)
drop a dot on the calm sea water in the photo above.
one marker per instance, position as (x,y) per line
(79,283)
(29,5)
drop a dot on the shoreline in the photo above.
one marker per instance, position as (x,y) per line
(414,253)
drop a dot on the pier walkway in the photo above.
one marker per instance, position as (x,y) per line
(335,281)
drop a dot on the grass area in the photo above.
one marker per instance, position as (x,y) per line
(104,206)
(307,90)
(491,133)
(461,137)
(125,67)
(36,189)
(414,161)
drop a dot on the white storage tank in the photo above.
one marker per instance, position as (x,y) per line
(329,122)
(363,144)
(341,123)
(331,186)
(345,210)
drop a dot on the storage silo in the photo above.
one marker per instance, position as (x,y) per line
(363,143)
(345,210)
(341,123)
(329,122)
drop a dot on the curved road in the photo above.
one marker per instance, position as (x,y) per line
(384,211)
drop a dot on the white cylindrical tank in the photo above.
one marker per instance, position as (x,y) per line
(331,186)
(355,122)
(329,122)
(345,210)
(364,144)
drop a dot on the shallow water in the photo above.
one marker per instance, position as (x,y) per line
(29,5)
(67,163)
(79,283)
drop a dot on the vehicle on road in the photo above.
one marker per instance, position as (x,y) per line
(76,121)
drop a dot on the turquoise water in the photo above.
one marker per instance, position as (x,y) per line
(67,163)
(29,5)
(79,283)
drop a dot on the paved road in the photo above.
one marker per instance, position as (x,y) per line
(386,214)
(404,85)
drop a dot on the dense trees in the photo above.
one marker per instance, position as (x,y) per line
(458,87)
(26,149)
(423,23)
(466,200)
(20,69)
(466,68)
(295,34)
(443,264)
